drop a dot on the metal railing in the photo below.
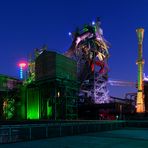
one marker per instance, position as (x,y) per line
(27,132)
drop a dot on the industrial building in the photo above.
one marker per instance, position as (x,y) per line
(53,94)
(69,86)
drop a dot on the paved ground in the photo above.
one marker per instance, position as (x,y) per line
(126,138)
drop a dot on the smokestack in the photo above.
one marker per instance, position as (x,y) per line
(140,106)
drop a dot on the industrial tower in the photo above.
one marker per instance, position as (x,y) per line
(140,62)
(90,50)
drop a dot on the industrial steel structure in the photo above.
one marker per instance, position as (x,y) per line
(90,50)
(59,87)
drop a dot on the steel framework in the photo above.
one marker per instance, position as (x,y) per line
(90,50)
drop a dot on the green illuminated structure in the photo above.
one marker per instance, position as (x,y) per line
(53,93)
(56,78)
(32,95)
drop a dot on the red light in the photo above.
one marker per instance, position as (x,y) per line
(22,64)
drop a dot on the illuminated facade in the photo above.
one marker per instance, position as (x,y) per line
(53,93)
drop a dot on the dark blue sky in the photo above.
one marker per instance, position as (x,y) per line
(27,24)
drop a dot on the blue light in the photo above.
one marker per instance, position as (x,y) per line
(93,22)
(69,33)
(21,73)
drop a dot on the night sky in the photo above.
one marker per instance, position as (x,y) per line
(28,24)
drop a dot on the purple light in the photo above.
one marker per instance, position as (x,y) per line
(145,78)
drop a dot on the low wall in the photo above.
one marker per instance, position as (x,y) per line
(137,123)
(26,132)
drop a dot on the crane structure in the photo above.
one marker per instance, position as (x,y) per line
(90,50)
